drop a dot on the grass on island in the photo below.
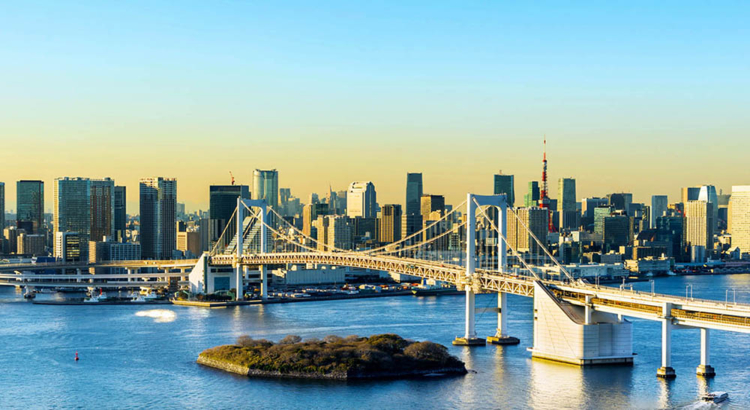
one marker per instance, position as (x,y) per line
(351,356)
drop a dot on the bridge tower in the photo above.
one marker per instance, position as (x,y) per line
(471,283)
(240,269)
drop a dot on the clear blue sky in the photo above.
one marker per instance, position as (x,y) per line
(637,96)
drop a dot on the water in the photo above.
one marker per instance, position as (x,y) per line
(144,357)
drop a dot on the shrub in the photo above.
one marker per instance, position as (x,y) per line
(290,339)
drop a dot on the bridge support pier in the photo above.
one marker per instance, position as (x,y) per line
(239,282)
(501,336)
(470,336)
(263,282)
(705,369)
(666,371)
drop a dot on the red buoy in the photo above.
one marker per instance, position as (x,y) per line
(76,356)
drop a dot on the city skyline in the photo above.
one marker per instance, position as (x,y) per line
(371,92)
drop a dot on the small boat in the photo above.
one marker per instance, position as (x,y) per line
(715,396)
(29,295)
(101,297)
(431,290)
(670,273)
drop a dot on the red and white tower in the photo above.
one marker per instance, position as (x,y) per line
(544,192)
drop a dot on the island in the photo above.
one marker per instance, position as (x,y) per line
(334,357)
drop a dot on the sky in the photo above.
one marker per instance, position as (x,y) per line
(642,97)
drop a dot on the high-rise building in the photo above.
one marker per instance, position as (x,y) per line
(266,186)
(621,201)
(31,245)
(222,201)
(30,205)
(674,228)
(2,206)
(659,204)
(73,214)
(310,213)
(616,231)
(566,204)
(708,193)
(519,238)
(430,204)
(285,194)
(600,213)
(699,224)
(121,216)
(587,211)
(690,193)
(158,200)
(102,209)
(189,242)
(361,200)
(503,184)
(531,199)
(70,247)
(390,223)
(740,217)
(412,219)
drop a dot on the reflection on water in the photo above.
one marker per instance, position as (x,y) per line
(159,315)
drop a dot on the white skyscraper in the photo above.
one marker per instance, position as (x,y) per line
(708,193)
(740,218)
(361,200)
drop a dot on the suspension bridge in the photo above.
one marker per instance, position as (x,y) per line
(574,321)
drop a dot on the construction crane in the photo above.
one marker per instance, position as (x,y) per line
(231,175)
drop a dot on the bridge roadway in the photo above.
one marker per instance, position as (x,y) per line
(159,264)
(689,312)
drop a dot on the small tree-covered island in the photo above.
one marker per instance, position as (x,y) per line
(334,357)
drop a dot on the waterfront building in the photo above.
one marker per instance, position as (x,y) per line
(71,246)
(674,228)
(390,223)
(32,244)
(699,224)
(102,208)
(740,218)
(659,205)
(566,204)
(158,200)
(266,186)
(121,216)
(222,204)
(361,200)
(109,250)
(72,213)
(30,206)
(503,184)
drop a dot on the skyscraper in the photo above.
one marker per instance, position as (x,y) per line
(740,206)
(102,209)
(621,201)
(690,193)
(310,214)
(361,200)
(708,193)
(413,213)
(566,204)
(390,223)
(266,186)
(519,239)
(659,205)
(73,214)
(503,184)
(30,205)
(158,199)
(531,199)
(222,203)
(121,216)
(430,204)
(699,224)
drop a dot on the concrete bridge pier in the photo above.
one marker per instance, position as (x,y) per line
(501,336)
(239,283)
(470,334)
(263,282)
(666,371)
(704,369)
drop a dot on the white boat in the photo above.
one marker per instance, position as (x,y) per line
(715,396)
(670,273)
(101,297)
